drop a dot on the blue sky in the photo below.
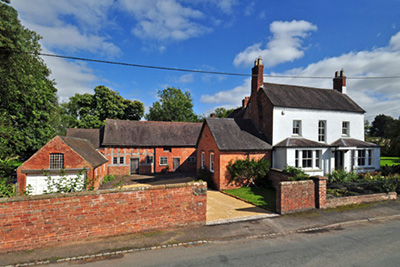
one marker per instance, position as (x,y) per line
(302,38)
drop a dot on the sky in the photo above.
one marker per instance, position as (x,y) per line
(310,38)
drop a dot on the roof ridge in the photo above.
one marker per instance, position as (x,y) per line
(302,86)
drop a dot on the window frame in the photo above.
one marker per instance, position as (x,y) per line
(115,161)
(212,158)
(296,127)
(203,160)
(163,159)
(56,161)
(345,128)
(322,131)
(308,159)
(121,160)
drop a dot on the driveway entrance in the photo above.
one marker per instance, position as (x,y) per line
(222,208)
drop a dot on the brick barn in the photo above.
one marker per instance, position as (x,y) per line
(144,147)
(223,140)
(62,154)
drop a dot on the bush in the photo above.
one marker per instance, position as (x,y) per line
(7,189)
(108,178)
(342,176)
(296,174)
(207,176)
(248,172)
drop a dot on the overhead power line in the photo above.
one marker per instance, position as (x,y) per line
(204,71)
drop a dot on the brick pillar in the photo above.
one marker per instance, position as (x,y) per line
(320,191)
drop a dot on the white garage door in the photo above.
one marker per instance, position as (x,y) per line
(39,182)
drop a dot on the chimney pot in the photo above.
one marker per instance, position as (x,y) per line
(339,82)
(212,115)
(245,101)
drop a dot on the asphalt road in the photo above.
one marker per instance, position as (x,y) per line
(368,244)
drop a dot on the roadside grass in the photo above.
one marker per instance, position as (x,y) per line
(390,161)
(259,196)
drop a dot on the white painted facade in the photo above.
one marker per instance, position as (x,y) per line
(39,182)
(321,160)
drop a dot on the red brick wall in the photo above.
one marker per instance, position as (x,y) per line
(221,175)
(38,221)
(276,176)
(177,152)
(295,196)
(41,160)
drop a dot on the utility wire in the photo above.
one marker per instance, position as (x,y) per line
(200,71)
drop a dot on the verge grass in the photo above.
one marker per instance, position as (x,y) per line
(259,196)
(390,161)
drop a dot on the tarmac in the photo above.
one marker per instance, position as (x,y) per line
(236,228)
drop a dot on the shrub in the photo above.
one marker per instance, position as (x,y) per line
(207,176)
(7,189)
(296,174)
(342,176)
(66,184)
(108,178)
(247,171)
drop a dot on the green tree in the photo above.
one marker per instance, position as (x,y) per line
(380,125)
(28,96)
(174,105)
(90,111)
(223,112)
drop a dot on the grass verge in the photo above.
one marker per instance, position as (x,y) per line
(259,196)
(390,161)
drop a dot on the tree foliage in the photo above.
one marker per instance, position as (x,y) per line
(223,112)
(174,105)
(90,111)
(247,171)
(28,96)
(380,125)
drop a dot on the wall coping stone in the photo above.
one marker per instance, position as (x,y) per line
(100,192)
(296,182)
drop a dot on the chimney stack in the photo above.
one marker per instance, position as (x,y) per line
(339,82)
(245,101)
(212,115)
(257,78)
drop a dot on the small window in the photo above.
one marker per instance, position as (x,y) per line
(191,159)
(307,159)
(149,159)
(167,149)
(370,151)
(346,128)
(121,160)
(317,158)
(212,162)
(56,161)
(163,161)
(297,127)
(115,160)
(321,131)
(202,160)
(296,159)
(361,157)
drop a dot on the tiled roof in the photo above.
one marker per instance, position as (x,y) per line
(351,142)
(92,135)
(292,96)
(85,149)
(300,142)
(242,135)
(150,133)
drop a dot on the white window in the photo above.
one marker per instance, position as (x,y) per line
(163,161)
(202,160)
(212,162)
(121,160)
(56,161)
(362,157)
(296,127)
(310,159)
(115,160)
(346,128)
(321,131)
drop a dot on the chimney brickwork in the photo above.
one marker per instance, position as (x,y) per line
(339,82)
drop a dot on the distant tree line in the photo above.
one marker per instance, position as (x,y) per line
(385,131)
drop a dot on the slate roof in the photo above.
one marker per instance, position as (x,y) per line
(85,149)
(300,142)
(351,142)
(292,96)
(94,136)
(242,135)
(150,133)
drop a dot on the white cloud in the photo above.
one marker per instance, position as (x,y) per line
(164,20)
(285,45)
(376,96)
(186,78)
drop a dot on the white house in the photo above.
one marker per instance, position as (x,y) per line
(318,130)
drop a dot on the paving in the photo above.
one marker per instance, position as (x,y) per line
(310,221)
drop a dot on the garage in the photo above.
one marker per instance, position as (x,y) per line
(37,184)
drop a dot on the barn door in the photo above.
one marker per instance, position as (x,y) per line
(134,165)
(176,163)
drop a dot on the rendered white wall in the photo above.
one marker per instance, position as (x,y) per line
(283,124)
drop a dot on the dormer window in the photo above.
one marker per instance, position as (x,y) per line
(346,128)
(296,127)
(56,161)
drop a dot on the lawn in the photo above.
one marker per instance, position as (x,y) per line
(390,161)
(259,196)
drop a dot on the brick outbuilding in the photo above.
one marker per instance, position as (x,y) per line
(62,156)
(223,140)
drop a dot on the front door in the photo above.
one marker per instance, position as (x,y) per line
(134,165)
(176,163)
(339,157)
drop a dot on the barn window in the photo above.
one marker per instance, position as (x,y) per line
(212,162)
(56,161)
(163,161)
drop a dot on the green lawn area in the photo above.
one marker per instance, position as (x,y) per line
(259,196)
(390,161)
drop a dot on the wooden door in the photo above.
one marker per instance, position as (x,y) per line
(176,162)
(134,165)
